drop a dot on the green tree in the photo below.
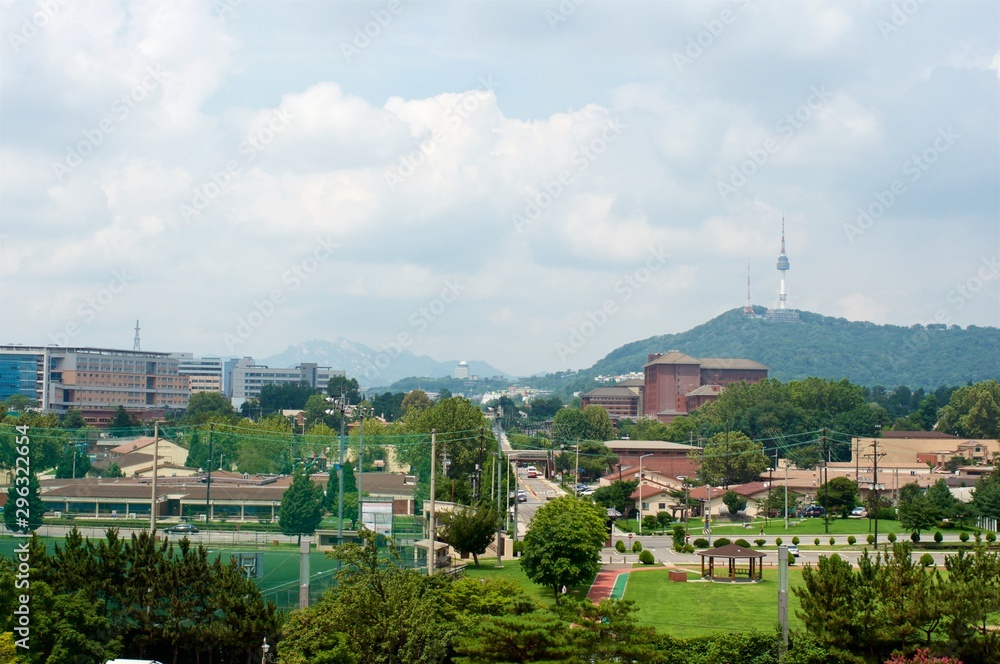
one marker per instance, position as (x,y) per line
(24,508)
(569,425)
(204,405)
(470,529)
(838,495)
(301,506)
(916,512)
(563,544)
(73,419)
(940,496)
(734,501)
(315,410)
(342,385)
(415,401)
(75,462)
(123,422)
(532,637)
(986,496)
(68,628)
(599,425)
(731,460)
(544,407)
(973,411)
(617,495)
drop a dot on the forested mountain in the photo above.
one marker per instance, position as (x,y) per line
(864,353)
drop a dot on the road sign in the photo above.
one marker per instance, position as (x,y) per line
(630,535)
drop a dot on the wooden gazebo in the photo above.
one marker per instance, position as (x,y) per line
(736,570)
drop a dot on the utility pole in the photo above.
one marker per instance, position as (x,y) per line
(496,471)
(477,489)
(576,474)
(786,494)
(431,552)
(340,472)
(826,484)
(208,487)
(783,596)
(152,502)
(875,456)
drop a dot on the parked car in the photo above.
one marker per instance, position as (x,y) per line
(859,512)
(182,529)
(814,510)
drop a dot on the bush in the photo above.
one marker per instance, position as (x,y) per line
(650,523)
(679,536)
(742,542)
(964,536)
(636,546)
(833,541)
(620,546)
(915,536)
(646,557)
(891,536)
(938,537)
(723,541)
(991,537)
(777,541)
(870,539)
(816,541)
(927,560)
(518,547)
(852,540)
(700,543)
(760,542)
(946,524)
(688,548)
(796,540)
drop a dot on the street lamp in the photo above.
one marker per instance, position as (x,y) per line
(264,650)
(640,490)
(576,473)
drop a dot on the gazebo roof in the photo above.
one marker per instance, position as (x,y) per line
(731,551)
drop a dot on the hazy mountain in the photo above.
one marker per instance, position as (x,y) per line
(372,368)
(864,353)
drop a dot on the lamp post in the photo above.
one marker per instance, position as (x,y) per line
(576,472)
(264,649)
(640,490)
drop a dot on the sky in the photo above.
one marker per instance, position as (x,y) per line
(532,184)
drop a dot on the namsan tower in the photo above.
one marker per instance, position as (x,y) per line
(782,314)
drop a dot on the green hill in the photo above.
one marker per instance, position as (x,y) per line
(864,353)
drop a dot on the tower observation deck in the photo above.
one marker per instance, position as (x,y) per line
(782,313)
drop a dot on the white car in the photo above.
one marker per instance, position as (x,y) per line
(793,550)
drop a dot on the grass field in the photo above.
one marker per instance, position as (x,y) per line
(701,608)
(512,570)
(812,527)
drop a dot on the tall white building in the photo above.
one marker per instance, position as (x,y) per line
(204,373)
(462,370)
(249,377)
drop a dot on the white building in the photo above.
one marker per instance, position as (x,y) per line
(249,377)
(462,370)
(204,373)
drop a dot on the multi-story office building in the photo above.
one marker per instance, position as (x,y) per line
(676,384)
(249,377)
(92,378)
(204,373)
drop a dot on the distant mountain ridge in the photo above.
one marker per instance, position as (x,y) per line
(864,353)
(370,367)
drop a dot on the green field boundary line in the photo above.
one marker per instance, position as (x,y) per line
(618,590)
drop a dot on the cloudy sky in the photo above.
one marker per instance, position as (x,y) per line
(528,183)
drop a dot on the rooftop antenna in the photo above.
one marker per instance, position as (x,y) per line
(748,308)
(135,343)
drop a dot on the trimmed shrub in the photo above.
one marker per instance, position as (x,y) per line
(636,546)
(927,560)
(891,537)
(852,540)
(518,548)
(700,543)
(870,539)
(795,540)
(620,546)
(760,542)
(687,549)
(964,536)
(646,557)
(991,537)
(723,541)
(915,536)
(816,541)
(833,540)
(742,542)
(679,536)
(938,537)
(777,541)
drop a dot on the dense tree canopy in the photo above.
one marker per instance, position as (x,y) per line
(974,411)
(731,459)
(301,506)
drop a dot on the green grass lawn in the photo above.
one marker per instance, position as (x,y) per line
(512,570)
(697,608)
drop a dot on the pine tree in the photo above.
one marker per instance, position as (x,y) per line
(301,506)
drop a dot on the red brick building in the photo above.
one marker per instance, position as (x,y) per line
(676,384)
